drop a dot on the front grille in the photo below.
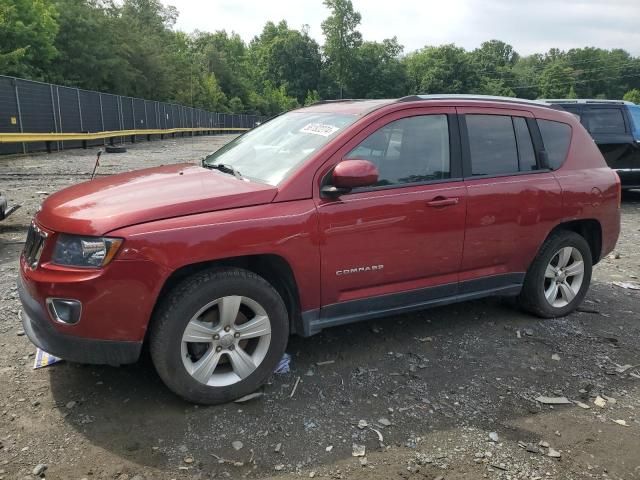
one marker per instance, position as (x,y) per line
(34,245)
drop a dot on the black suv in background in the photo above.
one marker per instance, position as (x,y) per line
(615,127)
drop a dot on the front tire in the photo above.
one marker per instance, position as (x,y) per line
(219,335)
(559,276)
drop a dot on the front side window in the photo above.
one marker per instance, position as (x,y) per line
(492,144)
(556,137)
(605,120)
(409,150)
(272,151)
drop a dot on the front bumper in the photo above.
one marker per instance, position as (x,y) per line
(42,334)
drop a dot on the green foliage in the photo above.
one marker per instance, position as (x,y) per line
(312,97)
(287,58)
(378,71)
(28,29)
(443,69)
(131,47)
(556,80)
(273,100)
(342,41)
(632,96)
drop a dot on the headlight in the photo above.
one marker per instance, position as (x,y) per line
(78,251)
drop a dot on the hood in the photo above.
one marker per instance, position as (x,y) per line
(106,203)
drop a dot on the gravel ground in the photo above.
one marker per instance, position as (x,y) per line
(448,393)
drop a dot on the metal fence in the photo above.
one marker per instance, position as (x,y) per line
(27,106)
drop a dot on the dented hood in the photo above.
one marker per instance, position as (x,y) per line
(107,203)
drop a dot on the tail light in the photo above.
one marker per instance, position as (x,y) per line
(619,187)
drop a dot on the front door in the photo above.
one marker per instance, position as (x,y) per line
(400,242)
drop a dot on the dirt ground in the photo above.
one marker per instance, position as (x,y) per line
(448,393)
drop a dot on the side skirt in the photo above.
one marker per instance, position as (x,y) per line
(314,321)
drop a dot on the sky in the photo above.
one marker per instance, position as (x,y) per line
(529,25)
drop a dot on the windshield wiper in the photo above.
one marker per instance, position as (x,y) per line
(224,168)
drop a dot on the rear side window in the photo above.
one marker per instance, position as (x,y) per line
(556,137)
(492,144)
(605,120)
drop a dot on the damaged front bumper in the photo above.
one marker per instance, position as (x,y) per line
(5,209)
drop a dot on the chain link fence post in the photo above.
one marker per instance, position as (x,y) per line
(55,121)
(15,89)
(104,140)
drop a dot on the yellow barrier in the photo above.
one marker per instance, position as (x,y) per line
(61,137)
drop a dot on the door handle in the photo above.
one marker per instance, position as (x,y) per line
(440,202)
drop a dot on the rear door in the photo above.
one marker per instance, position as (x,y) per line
(512,202)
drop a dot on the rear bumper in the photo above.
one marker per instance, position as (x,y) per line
(42,334)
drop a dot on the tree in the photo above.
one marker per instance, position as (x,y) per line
(312,97)
(89,45)
(378,71)
(288,58)
(632,96)
(273,100)
(341,40)
(226,56)
(556,80)
(444,69)
(526,74)
(495,61)
(28,29)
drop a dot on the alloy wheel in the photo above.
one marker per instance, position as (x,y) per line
(563,277)
(226,341)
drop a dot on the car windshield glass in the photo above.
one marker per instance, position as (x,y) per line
(272,151)
(634,110)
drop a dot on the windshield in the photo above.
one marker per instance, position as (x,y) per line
(634,110)
(271,152)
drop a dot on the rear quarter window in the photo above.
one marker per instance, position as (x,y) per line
(605,120)
(556,137)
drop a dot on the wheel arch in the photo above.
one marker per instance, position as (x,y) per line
(590,229)
(273,268)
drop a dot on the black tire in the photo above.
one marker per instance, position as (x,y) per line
(182,303)
(532,297)
(115,149)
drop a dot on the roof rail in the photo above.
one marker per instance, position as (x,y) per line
(322,102)
(585,100)
(491,98)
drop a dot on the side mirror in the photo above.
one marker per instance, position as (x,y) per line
(350,174)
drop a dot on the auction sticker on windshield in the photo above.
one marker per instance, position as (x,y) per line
(319,129)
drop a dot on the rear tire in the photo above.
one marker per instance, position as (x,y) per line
(559,277)
(219,335)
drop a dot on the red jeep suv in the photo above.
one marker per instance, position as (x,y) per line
(326,215)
